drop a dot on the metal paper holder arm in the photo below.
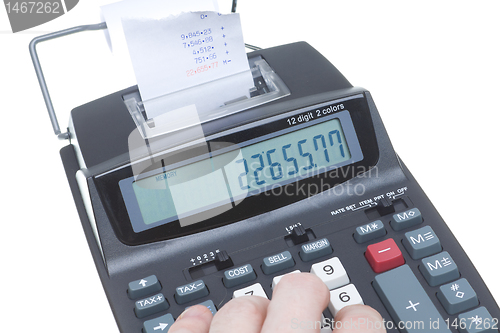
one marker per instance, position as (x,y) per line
(39,72)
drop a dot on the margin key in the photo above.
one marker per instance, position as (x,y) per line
(407,302)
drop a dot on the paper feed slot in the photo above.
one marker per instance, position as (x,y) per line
(179,115)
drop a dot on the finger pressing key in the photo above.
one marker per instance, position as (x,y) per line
(298,300)
(358,318)
(195,319)
(244,314)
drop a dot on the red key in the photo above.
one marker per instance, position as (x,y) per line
(384,256)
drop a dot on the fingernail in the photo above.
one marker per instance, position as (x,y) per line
(192,311)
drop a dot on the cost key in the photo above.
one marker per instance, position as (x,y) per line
(236,276)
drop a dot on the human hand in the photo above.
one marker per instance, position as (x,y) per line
(296,307)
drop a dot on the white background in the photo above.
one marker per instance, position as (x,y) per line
(433,69)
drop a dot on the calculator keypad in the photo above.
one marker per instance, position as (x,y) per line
(407,301)
(396,283)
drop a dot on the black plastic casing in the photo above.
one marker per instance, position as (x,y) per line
(101,145)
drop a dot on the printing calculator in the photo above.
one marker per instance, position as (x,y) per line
(304,181)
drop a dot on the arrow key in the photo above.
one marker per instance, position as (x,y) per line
(158,325)
(140,288)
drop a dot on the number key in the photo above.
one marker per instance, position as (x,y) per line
(331,272)
(343,297)
(255,290)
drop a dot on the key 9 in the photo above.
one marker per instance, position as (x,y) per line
(328,269)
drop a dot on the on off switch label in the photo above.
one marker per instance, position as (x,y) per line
(370,202)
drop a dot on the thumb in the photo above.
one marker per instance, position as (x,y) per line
(195,319)
(358,318)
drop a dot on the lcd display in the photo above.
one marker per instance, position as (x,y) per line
(212,185)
